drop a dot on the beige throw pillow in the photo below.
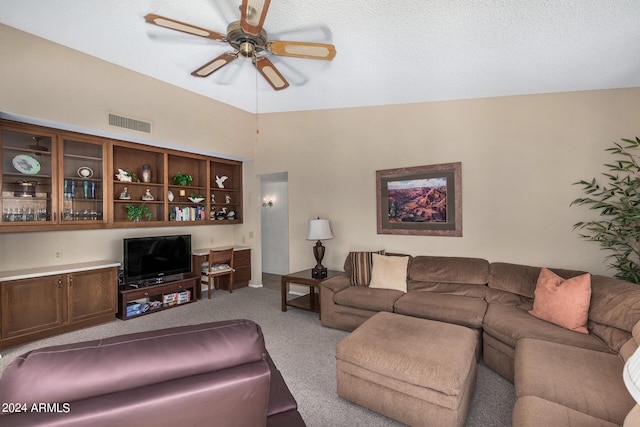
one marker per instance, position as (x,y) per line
(389,272)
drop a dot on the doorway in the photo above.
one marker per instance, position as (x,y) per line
(274,217)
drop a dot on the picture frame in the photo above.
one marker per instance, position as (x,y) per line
(421,200)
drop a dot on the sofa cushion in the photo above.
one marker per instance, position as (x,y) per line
(456,309)
(563,302)
(472,271)
(533,411)
(510,324)
(515,284)
(614,310)
(361,263)
(366,298)
(389,272)
(585,380)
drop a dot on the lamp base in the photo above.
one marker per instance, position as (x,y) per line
(319,272)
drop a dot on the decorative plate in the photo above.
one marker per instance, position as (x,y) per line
(170,196)
(26,164)
(85,172)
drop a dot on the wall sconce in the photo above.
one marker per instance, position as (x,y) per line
(268,204)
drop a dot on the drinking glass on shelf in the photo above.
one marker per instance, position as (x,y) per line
(42,214)
(28,215)
(6,214)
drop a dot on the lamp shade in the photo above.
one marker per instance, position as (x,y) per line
(631,375)
(319,229)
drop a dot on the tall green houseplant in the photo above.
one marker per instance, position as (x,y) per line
(618,201)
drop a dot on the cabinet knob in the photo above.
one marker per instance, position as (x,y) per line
(59,283)
(146,294)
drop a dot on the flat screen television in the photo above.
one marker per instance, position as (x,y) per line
(152,259)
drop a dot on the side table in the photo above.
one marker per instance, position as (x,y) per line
(310,301)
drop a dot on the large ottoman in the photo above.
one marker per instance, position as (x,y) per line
(417,371)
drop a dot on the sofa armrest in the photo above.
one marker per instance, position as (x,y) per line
(336,283)
(230,397)
(125,362)
(328,289)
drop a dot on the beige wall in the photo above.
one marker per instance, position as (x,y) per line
(519,157)
(46,81)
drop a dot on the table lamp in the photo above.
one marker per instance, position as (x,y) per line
(631,376)
(319,229)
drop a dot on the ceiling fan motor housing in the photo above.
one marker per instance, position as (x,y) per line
(247,44)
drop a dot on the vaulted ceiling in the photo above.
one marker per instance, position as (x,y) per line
(388,52)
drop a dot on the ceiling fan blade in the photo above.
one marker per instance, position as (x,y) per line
(183,27)
(213,66)
(302,49)
(252,15)
(271,73)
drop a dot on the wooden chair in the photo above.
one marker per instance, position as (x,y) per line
(220,264)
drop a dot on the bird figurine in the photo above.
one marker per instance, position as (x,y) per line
(220,180)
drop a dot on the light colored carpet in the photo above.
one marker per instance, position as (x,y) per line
(303,350)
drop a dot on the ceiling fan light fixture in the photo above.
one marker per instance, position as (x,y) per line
(247,49)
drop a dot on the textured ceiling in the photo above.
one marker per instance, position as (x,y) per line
(389,52)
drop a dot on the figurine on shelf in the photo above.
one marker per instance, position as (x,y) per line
(212,214)
(123,176)
(227,199)
(213,199)
(231,215)
(147,195)
(222,213)
(125,194)
(220,180)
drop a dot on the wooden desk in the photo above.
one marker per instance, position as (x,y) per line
(310,301)
(241,263)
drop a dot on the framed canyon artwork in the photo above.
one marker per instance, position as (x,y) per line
(421,200)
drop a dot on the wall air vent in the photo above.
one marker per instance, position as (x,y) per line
(129,123)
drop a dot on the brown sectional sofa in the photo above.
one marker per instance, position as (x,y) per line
(216,373)
(561,377)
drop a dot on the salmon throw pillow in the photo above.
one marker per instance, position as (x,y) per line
(563,302)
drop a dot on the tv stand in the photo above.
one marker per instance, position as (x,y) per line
(159,296)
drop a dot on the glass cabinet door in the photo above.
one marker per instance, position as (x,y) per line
(82,181)
(27,177)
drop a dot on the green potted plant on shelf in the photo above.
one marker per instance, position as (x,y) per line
(135,212)
(182,179)
(618,202)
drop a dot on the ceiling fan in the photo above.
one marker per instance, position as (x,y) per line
(249,39)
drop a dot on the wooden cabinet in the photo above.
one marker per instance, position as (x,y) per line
(91,294)
(30,306)
(49,304)
(53,179)
(156,293)
(226,190)
(132,158)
